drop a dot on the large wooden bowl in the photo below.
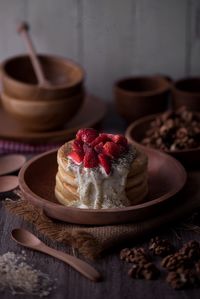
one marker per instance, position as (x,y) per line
(19,80)
(136,132)
(42,115)
(166,177)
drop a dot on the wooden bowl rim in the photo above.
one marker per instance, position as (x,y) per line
(65,61)
(34,197)
(176,89)
(128,134)
(142,93)
(43,102)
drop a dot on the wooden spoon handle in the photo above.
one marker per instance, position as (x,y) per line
(23,30)
(81,266)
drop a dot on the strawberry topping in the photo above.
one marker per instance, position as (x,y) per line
(111,149)
(77,145)
(90,159)
(105,162)
(77,157)
(99,148)
(101,138)
(86,135)
(119,139)
(95,149)
(86,147)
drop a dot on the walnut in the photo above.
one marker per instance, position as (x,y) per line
(174,130)
(143,270)
(175,261)
(160,247)
(182,278)
(130,254)
(192,250)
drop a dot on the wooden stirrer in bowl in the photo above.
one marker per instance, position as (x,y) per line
(23,29)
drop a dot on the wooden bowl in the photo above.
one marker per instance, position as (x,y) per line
(19,80)
(42,115)
(166,177)
(89,115)
(186,92)
(139,96)
(136,132)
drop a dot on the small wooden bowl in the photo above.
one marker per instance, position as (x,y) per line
(136,132)
(42,115)
(139,96)
(19,80)
(186,92)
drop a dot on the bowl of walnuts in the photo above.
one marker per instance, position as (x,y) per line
(176,132)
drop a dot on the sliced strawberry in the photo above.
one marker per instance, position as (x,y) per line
(104,161)
(110,136)
(77,145)
(77,157)
(99,148)
(86,147)
(119,139)
(111,149)
(90,159)
(86,135)
(101,138)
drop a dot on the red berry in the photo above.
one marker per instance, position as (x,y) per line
(101,138)
(77,145)
(86,147)
(86,135)
(90,159)
(110,136)
(99,148)
(105,162)
(119,139)
(111,149)
(77,157)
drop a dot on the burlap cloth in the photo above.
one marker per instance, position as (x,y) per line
(92,241)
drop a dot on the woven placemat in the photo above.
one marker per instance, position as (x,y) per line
(92,241)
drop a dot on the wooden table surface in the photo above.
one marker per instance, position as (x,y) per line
(116,283)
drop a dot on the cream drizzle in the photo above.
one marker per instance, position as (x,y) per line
(96,189)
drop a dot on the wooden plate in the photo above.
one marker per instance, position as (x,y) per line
(90,114)
(37,181)
(136,132)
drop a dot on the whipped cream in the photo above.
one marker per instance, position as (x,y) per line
(96,189)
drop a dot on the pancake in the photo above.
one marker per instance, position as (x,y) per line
(136,180)
(65,193)
(63,188)
(66,190)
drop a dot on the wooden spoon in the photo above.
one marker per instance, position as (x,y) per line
(8,183)
(23,29)
(11,163)
(27,239)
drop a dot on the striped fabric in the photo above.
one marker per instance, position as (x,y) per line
(8,147)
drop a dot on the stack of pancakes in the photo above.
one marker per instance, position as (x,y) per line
(66,183)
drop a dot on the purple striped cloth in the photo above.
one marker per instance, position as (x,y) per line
(8,147)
